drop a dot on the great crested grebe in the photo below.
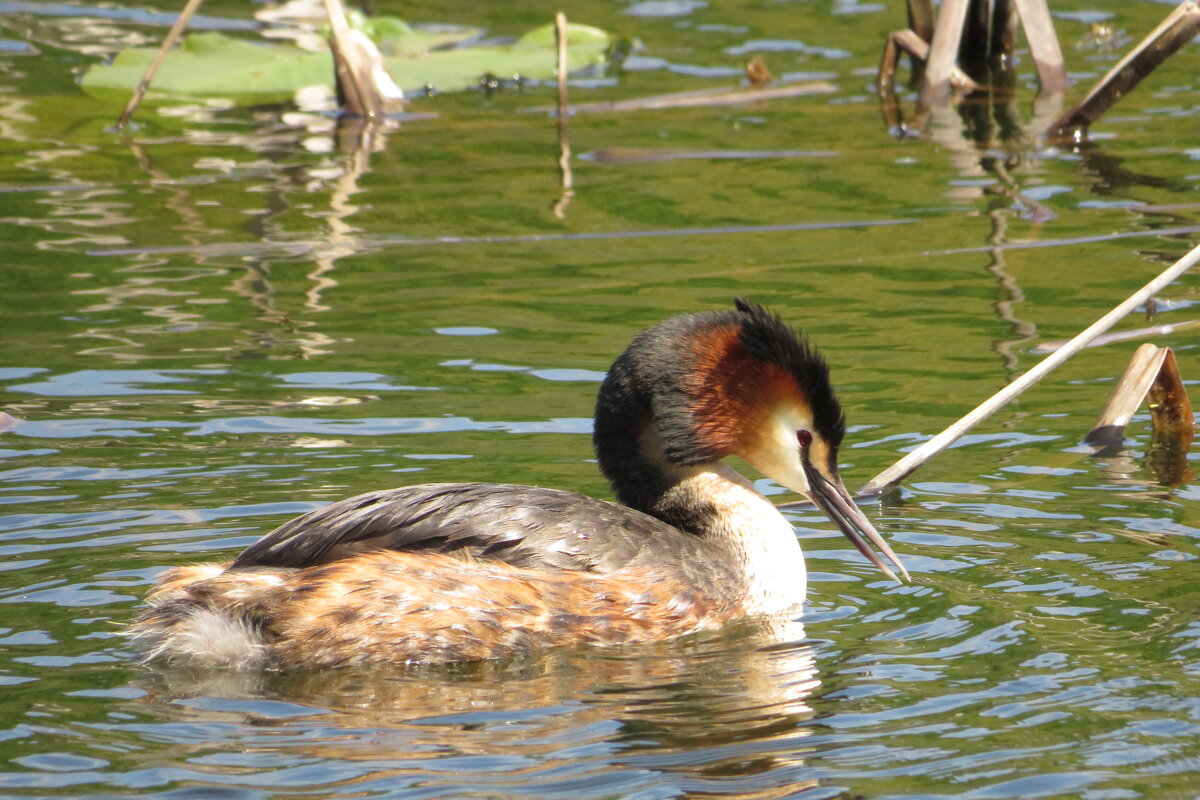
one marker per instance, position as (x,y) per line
(465,571)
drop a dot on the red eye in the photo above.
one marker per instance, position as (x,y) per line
(804,438)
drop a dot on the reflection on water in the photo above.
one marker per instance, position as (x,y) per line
(588,722)
(226,318)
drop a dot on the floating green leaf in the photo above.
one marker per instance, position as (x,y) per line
(212,65)
(395,37)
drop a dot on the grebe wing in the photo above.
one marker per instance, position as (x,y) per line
(519,525)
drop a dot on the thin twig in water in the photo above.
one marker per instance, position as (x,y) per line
(701,97)
(289,247)
(1121,336)
(564,141)
(168,43)
(911,462)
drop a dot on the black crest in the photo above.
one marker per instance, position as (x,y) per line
(767,337)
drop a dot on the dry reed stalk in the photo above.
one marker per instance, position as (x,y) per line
(1174,32)
(911,462)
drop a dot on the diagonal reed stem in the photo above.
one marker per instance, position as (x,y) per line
(911,462)
(169,42)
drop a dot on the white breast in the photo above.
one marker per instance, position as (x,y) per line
(760,540)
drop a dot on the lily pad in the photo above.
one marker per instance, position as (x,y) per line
(395,37)
(212,65)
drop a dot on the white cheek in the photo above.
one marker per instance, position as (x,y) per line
(779,456)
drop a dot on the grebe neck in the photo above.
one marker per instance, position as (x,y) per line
(711,501)
(723,507)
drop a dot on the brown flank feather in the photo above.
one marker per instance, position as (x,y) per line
(389,607)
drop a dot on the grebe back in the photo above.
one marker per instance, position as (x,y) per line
(451,572)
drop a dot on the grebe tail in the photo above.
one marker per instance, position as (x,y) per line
(451,572)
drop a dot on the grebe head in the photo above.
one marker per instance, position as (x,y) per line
(709,385)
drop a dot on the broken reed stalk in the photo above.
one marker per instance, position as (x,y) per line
(364,86)
(1152,374)
(564,141)
(1142,372)
(943,51)
(906,41)
(1170,407)
(920,19)
(1043,45)
(1174,32)
(354,94)
(911,462)
(164,48)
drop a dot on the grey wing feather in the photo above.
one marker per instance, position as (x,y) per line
(519,525)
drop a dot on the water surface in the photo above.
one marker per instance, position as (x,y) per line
(221,320)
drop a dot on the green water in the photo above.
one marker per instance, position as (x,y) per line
(220,320)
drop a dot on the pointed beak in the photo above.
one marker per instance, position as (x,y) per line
(832,498)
